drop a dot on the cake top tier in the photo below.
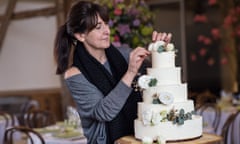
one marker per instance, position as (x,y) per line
(163,54)
(161,46)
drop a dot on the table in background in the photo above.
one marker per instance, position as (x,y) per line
(48,135)
(204,139)
(209,116)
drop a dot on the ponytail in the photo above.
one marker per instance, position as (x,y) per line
(62,49)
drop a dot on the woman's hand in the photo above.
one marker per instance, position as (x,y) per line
(136,59)
(166,37)
(138,55)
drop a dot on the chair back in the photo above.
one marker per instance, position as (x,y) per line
(26,133)
(25,108)
(38,118)
(216,110)
(231,128)
(9,119)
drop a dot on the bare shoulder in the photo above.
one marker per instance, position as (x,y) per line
(71,72)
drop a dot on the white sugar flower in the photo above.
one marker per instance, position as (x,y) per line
(147,140)
(161,140)
(166,98)
(170,47)
(144,81)
(157,44)
(156,118)
(147,116)
(150,47)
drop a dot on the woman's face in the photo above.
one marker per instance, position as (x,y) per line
(99,37)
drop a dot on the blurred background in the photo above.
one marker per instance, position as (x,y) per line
(205,32)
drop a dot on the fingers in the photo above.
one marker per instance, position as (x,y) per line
(140,53)
(137,56)
(161,36)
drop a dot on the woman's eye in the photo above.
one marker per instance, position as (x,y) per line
(98,27)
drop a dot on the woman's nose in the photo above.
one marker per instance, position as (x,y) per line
(106,29)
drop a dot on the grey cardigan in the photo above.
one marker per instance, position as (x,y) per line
(95,109)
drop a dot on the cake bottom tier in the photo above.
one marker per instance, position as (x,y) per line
(171,132)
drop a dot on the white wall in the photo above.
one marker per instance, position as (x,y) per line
(26,58)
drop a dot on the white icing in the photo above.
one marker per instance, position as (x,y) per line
(190,129)
(166,76)
(163,59)
(147,140)
(156,118)
(179,92)
(147,116)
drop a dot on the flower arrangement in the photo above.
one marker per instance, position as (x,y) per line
(230,12)
(165,98)
(160,46)
(151,118)
(130,23)
(146,81)
(220,44)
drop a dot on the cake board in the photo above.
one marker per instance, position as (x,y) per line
(206,138)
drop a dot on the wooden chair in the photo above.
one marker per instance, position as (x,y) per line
(217,111)
(9,118)
(27,134)
(230,127)
(38,118)
(205,97)
(28,106)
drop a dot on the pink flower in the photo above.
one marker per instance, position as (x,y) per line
(211,61)
(238,31)
(204,39)
(228,20)
(201,38)
(202,52)
(227,49)
(212,2)
(116,38)
(200,18)
(237,10)
(215,33)
(193,57)
(117,11)
(207,41)
(224,61)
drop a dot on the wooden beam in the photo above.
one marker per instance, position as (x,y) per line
(6,20)
(33,13)
(60,16)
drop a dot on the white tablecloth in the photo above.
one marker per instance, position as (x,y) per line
(2,129)
(50,139)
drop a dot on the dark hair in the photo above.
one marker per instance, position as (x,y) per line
(81,18)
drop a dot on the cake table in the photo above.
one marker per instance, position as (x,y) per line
(204,139)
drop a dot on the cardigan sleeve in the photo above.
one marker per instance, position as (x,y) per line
(91,103)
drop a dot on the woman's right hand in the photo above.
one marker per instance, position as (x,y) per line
(136,59)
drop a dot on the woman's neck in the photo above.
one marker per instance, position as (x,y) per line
(98,54)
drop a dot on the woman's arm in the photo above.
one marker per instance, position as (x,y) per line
(91,103)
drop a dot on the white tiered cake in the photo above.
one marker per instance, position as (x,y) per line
(165,113)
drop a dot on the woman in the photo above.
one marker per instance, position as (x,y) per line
(98,75)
